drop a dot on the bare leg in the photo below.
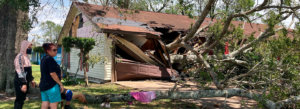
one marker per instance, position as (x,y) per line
(80,97)
(45,105)
(62,104)
(53,105)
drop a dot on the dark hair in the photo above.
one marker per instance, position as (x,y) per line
(47,46)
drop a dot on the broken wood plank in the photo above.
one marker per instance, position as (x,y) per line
(133,50)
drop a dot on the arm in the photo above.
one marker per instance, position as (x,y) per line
(52,68)
(56,79)
(31,79)
(18,62)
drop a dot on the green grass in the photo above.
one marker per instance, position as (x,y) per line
(32,104)
(157,104)
(99,89)
(36,73)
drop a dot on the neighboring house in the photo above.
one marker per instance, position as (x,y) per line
(132,42)
(35,57)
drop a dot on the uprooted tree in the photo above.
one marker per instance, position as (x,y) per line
(85,45)
(268,63)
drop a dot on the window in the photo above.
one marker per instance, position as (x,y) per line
(80,21)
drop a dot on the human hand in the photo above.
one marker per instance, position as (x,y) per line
(33,84)
(24,88)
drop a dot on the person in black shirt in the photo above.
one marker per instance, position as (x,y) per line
(50,85)
(23,74)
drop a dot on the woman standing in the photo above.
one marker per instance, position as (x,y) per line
(23,74)
(50,84)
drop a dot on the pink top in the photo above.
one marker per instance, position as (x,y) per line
(145,97)
(25,61)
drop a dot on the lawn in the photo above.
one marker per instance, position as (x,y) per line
(99,89)
(36,73)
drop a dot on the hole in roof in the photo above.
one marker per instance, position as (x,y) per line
(101,13)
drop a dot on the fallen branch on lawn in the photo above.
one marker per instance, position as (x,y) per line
(189,95)
(175,58)
(250,72)
(200,58)
(234,61)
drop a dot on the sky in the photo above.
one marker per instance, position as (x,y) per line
(56,11)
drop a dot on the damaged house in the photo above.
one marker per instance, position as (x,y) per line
(132,42)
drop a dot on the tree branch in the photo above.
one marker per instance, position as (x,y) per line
(194,57)
(199,20)
(213,75)
(150,4)
(230,18)
(250,72)
(234,61)
(286,7)
(176,43)
(164,5)
(195,26)
(262,36)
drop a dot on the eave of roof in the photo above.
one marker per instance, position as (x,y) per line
(123,29)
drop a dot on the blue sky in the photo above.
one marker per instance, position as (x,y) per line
(56,11)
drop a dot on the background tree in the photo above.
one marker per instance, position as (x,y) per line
(183,7)
(51,31)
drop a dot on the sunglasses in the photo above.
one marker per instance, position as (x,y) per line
(55,50)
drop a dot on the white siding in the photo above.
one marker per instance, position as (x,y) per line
(101,70)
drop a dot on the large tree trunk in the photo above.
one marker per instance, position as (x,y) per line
(86,78)
(84,66)
(12,33)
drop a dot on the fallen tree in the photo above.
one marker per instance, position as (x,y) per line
(270,58)
(228,93)
(217,36)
